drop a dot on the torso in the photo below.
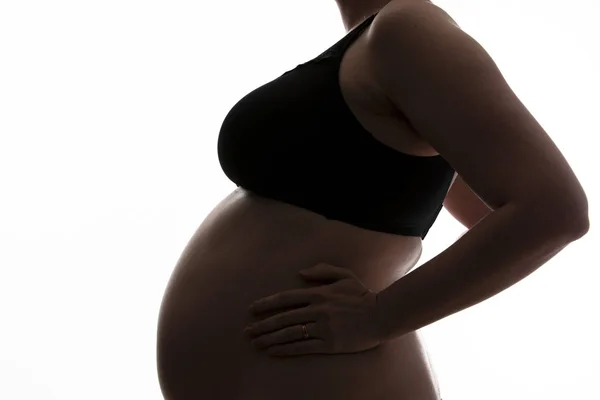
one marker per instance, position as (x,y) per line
(250,247)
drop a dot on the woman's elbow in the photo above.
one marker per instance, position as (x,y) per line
(572,216)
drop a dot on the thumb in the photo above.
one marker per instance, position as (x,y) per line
(326,273)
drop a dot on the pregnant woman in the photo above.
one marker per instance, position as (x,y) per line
(297,285)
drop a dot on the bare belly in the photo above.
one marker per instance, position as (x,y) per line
(250,247)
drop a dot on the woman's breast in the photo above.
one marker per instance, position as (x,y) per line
(250,247)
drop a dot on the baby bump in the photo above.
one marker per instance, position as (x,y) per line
(203,352)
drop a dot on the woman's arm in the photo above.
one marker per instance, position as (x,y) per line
(452,92)
(505,247)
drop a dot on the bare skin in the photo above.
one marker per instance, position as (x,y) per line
(353,12)
(250,247)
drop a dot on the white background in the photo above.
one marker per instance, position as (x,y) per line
(109,116)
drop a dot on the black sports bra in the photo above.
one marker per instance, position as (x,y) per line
(295,140)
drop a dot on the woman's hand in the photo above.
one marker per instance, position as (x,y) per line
(338,316)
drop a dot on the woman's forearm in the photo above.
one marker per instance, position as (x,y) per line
(505,247)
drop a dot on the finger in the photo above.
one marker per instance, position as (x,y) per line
(326,273)
(287,299)
(280,321)
(302,347)
(285,335)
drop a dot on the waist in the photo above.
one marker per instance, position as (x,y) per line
(258,227)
